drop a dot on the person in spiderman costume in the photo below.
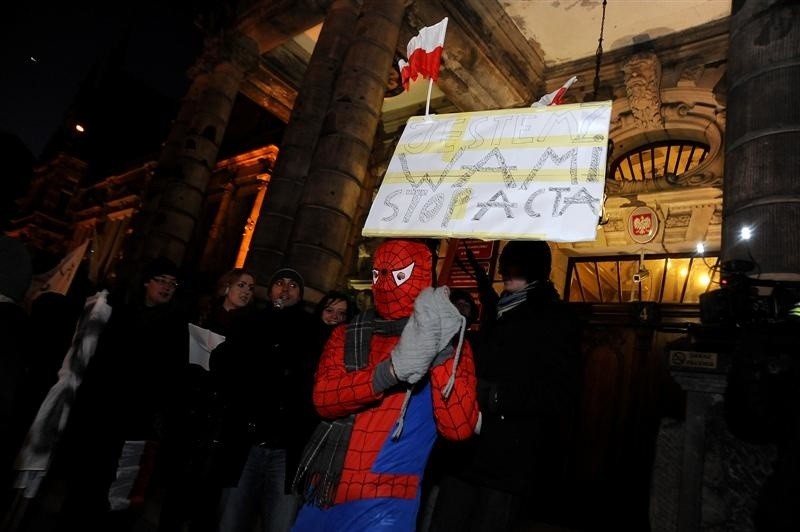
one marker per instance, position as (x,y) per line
(385,385)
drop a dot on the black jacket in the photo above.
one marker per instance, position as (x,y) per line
(527,364)
(134,385)
(264,371)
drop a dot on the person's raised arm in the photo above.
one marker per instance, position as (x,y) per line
(457,414)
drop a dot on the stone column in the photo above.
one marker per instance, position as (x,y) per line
(173,207)
(271,237)
(339,166)
(375,170)
(252,220)
(761,188)
(215,231)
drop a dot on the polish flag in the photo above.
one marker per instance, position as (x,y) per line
(557,96)
(424,54)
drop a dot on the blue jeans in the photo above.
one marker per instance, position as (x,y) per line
(260,489)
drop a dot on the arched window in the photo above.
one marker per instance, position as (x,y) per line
(665,159)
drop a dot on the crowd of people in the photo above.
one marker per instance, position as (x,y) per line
(419,412)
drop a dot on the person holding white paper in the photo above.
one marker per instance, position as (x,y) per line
(127,408)
(193,498)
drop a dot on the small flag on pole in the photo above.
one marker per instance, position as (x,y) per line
(557,96)
(424,54)
(59,279)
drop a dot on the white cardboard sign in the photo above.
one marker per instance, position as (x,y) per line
(514,174)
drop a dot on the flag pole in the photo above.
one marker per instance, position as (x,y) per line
(428,101)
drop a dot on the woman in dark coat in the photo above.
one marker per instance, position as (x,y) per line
(193,497)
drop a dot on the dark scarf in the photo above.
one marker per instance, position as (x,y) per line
(320,469)
(509,300)
(538,291)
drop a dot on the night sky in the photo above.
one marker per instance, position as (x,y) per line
(47,49)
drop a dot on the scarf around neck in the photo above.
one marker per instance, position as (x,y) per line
(320,470)
(510,300)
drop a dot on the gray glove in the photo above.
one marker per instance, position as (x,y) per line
(432,325)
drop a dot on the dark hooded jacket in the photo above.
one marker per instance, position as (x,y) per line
(264,373)
(527,365)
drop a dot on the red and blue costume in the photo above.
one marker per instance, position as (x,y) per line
(379,486)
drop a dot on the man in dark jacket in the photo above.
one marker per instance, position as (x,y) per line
(130,394)
(264,371)
(527,368)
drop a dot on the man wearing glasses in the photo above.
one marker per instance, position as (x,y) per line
(127,406)
(159,290)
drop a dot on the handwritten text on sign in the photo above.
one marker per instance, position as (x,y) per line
(517,174)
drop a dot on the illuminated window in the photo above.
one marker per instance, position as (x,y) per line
(661,278)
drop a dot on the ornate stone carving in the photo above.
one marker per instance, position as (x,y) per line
(242,51)
(697,179)
(232,47)
(616,225)
(678,220)
(690,76)
(642,83)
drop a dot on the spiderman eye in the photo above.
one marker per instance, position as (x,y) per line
(374,276)
(401,276)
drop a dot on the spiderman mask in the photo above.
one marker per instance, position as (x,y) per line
(400,271)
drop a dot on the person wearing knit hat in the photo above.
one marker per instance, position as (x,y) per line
(264,371)
(524,262)
(159,266)
(528,370)
(160,278)
(286,288)
(132,391)
(15,269)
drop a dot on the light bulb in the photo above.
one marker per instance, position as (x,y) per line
(746,233)
(700,248)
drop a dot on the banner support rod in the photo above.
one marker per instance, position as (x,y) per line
(428,101)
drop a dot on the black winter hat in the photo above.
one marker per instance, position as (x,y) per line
(288,273)
(15,268)
(529,259)
(159,266)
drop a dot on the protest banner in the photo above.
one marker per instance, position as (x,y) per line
(514,174)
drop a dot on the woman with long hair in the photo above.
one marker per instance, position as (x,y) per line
(192,498)
(232,300)
(332,310)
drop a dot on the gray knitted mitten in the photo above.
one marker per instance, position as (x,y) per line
(432,325)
